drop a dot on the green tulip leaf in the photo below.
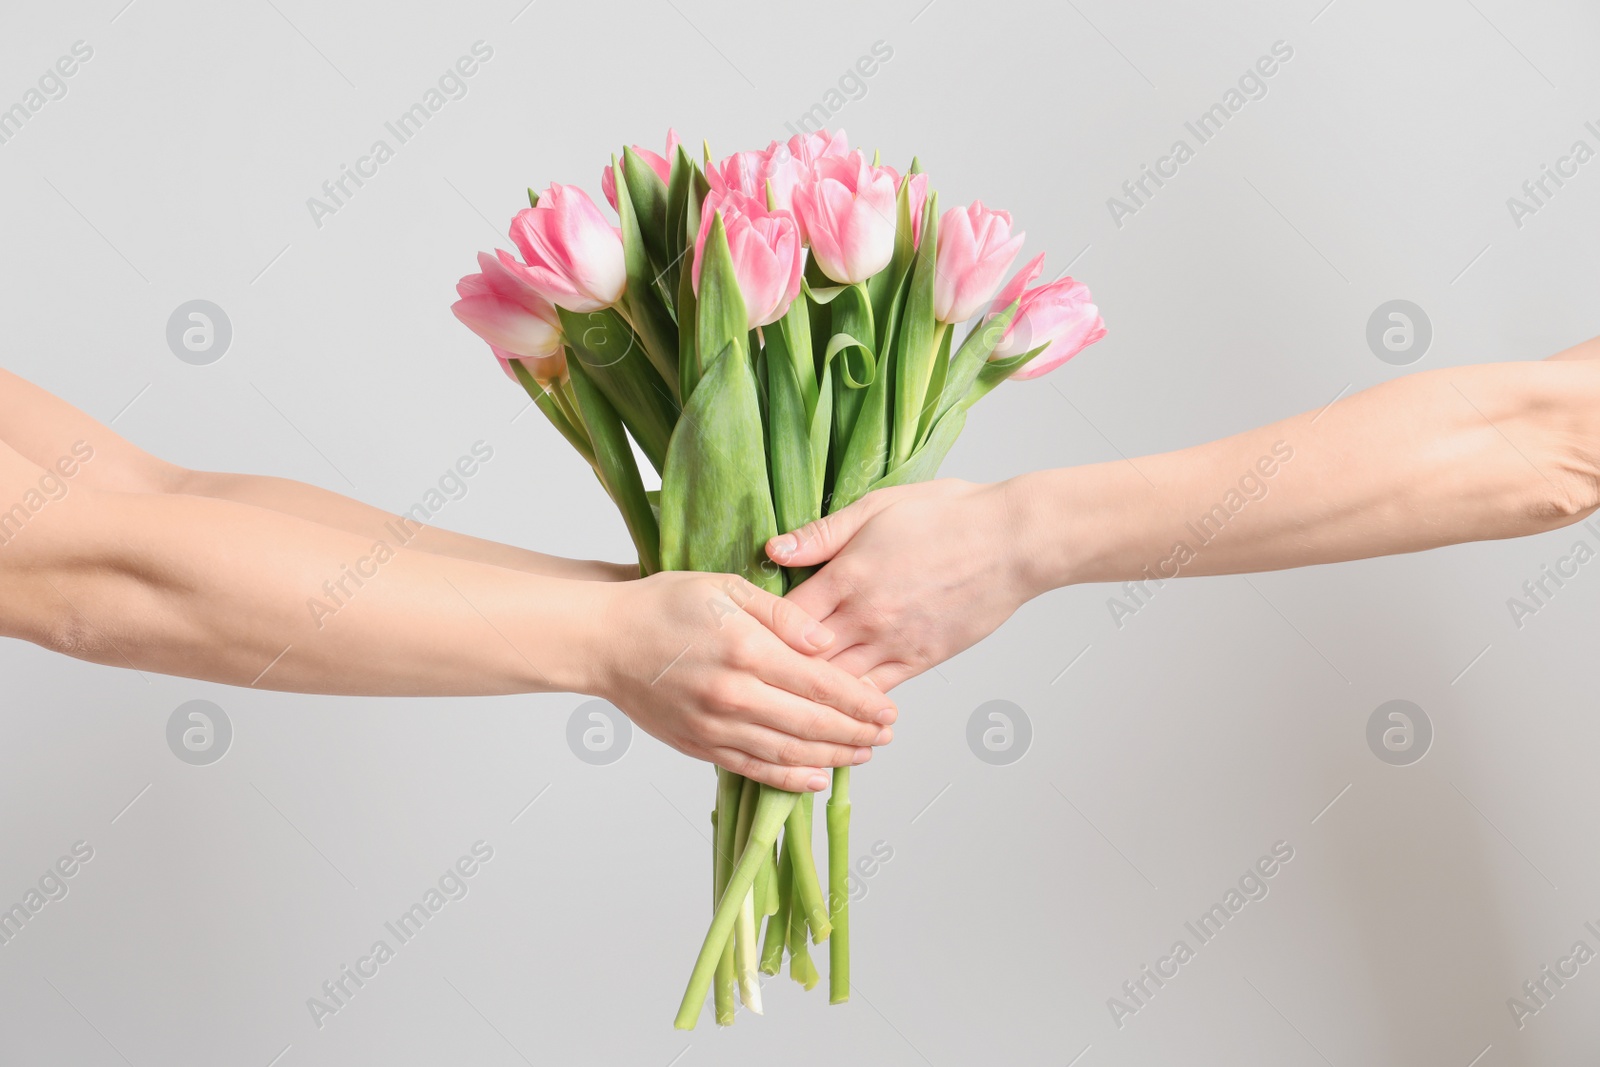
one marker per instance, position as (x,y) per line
(972,357)
(917,343)
(716,506)
(615,359)
(649,316)
(648,194)
(618,470)
(720,311)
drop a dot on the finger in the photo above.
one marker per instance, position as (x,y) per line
(809,721)
(786,750)
(797,629)
(820,682)
(821,539)
(858,660)
(792,779)
(819,596)
(888,675)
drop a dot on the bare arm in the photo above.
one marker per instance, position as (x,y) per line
(230,592)
(1435,458)
(42,428)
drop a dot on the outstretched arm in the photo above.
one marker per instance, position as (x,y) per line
(921,572)
(42,428)
(103,556)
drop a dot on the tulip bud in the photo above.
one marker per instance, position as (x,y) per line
(768,258)
(517,322)
(846,211)
(662,165)
(571,255)
(1058,315)
(976,247)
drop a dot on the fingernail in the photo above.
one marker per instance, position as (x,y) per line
(784,546)
(887,716)
(818,782)
(870,682)
(817,636)
(861,756)
(885,735)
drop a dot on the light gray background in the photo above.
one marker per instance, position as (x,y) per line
(1175,751)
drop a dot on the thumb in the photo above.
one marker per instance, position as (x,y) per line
(821,539)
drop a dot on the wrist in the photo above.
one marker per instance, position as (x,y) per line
(583,660)
(1042,544)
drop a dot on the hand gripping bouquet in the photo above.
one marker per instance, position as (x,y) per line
(775,332)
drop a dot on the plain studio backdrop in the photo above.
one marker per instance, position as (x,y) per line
(1163,751)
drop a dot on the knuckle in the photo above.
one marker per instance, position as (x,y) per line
(724,696)
(820,689)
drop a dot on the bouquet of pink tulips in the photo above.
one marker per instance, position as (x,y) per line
(766,386)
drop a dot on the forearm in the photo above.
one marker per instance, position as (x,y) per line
(342,513)
(227,592)
(1437,458)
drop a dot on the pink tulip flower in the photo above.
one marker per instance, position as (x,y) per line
(846,212)
(662,165)
(808,148)
(976,247)
(780,166)
(572,255)
(768,256)
(745,173)
(1058,315)
(518,323)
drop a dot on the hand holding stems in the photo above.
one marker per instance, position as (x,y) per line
(738,681)
(921,572)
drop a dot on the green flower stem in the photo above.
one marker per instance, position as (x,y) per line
(745,954)
(798,841)
(618,470)
(772,809)
(745,951)
(729,787)
(838,887)
(778,925)
(767,885)
(550,403)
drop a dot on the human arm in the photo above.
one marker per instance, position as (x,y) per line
(230,592)
(1459,454)
(42,428)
